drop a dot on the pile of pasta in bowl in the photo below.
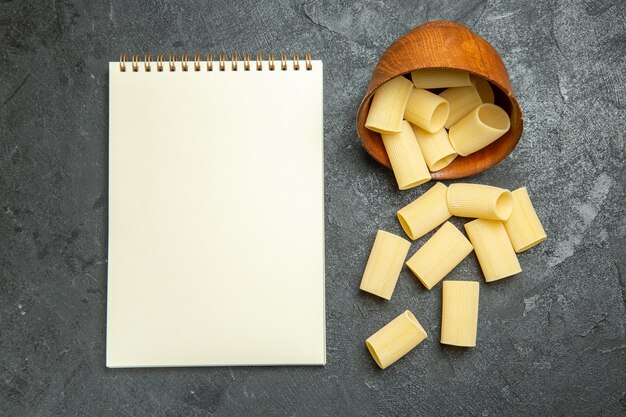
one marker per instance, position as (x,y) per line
(423,132)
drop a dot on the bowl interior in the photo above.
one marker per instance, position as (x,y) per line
(462,166)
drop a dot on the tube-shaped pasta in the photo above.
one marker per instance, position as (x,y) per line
(384,264)
(440,78)
(436,148)
(388,103)
(406,157)
(395,339)
(426,110)
(479,201)
(439,255)
(493,249)
(479,128)
(462,100)
(485,91)
(524,227)
(459,313)
(425,213)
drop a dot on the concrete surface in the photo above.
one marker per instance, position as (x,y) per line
(551,340)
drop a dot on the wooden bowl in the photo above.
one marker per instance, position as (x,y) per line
(444,44)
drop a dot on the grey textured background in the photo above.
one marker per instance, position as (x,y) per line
(551,340)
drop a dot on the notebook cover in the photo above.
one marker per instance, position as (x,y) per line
(216,217)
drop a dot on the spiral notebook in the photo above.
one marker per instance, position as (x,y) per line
(216,212)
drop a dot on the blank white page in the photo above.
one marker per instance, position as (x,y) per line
(216,217)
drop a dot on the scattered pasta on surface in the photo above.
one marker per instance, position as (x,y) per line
(479,201)
(459,313)
(384,264)
(524,227)
(395,339)
(439,255)
(426,212)
(493,249)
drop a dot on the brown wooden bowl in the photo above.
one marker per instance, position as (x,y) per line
(444,44)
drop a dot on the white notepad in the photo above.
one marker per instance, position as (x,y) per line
(216,216)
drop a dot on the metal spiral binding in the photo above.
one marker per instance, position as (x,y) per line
(197,60)
(270,60)
(185,62)
(172,62)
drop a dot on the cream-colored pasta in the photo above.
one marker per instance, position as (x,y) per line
(462,100)
(426,110)
(388,103)
(440,78)
(384,264)
(479,201)
(482,126)
(406,157)
(459,313)
(436,148)
(425,213)
(396,339)
(439,255)
(485,91)
(493,249)
(524,227)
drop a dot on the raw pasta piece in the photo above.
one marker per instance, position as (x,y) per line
(439,255)
(493,249)
(426,110)
(436,148)
(524,228)
(462,100)
(425,213)
(479,128)
(388,105)
(440,78)
(479,201)
(396,339)
(406,157)
(384,264)
(485,91)
(459,313)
